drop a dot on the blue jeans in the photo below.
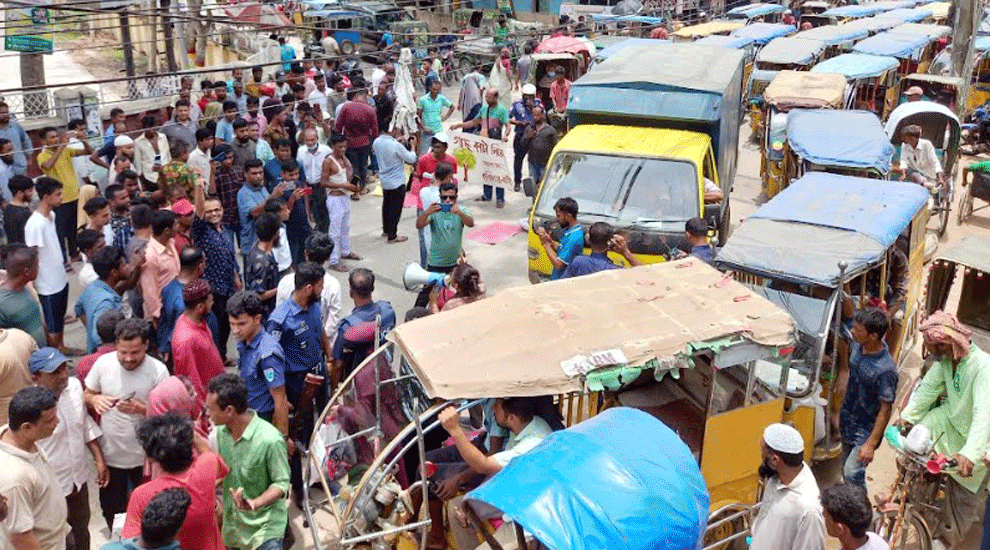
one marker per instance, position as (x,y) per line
(424,241)
(986,528)
(271,544)
(487,193)
(852,469)
(536,172)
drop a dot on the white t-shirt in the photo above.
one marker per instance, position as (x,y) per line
(316,97)
(80,163)
(119,443)
(329,300)
(874,542)
(199,162)
(283,255)
(87,275)
(429,195)
(39,231)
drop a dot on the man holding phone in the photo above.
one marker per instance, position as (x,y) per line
(447,221)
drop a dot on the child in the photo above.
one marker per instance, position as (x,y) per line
(848,515)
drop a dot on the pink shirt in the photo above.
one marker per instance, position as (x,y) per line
(161,265)
(560,92)
(194,355)
(200,530)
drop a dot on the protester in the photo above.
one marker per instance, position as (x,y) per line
(430,114)
(151,153)
(358,122)
(790,513)
(281,252)
(194,352)
(181,128)
(55,160)
(36,515)
(177,172)
(216,240)
(251,200)
(571,238)
(18,307)
(13,132)
(75,437)
(447,221)
(100,295)
(161,263)
(117,388)
(959,428)
(16,347)
(160,522)
(393,156)
(260,267)
(296,197)
(52,284)
(312,158)
(538,142)
(337,175)
(106,327)
(17,210)
(848,517)
(601,239)
(182,461)
(465,287)
(255,511)
(226,183)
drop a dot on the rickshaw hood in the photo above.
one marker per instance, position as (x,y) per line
(732,42)
(877,23)
(790,50)
(519,341)
(857,66)
(791,89)
(711,27)
(854,10)
(853,139)
(819,220)
(628,483)
(909,109)
(929,31)
(901,46)
(832,35)
(761,33)
(970,252)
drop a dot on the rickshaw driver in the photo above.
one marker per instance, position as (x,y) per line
(959,426)
(919,162)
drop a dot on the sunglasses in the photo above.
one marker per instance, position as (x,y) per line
(450,198)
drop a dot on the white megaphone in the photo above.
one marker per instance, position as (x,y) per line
(415,277)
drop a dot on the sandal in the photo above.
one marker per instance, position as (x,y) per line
(340,268)
(350,256)
(398,239)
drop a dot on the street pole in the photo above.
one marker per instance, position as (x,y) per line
(125,40)
(168,30)
(968,15)
(33,74)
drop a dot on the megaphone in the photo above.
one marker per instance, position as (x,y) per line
(415,277)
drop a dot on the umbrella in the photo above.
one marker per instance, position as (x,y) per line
(565,44)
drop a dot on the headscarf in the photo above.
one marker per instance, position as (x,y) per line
(172,395)
(943,328)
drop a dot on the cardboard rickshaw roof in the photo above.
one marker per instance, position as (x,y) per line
(513,343)
(970,252)
(806,89)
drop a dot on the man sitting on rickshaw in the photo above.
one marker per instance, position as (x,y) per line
(919,161)
(960,425)
(468,462)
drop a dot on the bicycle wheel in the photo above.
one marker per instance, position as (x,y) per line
(912,534)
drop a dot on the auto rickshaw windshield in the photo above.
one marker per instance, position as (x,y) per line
(653,192)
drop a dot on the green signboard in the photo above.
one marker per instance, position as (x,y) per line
(28,30)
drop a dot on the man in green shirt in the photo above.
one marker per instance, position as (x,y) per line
(960,426)
(429,109)
(494,122)
(447,221)
(255,510)
(19,306)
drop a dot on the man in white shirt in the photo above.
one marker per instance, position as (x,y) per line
(151,152)
(848,517)
(791,511)
(310,157)
(66,447)
(319,95)
(52,284)
(117,387)
(199,158)
(77,132)
(319,246)
(36,510)
(919,161)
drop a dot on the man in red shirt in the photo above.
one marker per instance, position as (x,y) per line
(359,124)
(169,441)
(106,326)
(426,166)
(194,355)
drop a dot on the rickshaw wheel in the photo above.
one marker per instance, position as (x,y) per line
(724,226)
(965,207)
(347,47)
(914,533)
(943,216)
(725,531)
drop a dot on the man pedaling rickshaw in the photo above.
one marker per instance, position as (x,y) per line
(919,161)
(512,429)
(960,425)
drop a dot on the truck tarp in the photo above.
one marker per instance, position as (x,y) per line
(687,87)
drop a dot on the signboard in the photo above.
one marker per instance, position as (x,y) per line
(28,30)
(484,160)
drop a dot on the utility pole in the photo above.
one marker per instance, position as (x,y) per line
(168,30)
(125,40)
(967,20)
(33,74)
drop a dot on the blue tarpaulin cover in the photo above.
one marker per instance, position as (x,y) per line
(854,10)
(832,35)
(790,50)
(819,220)
(621,480)
(761,33)
(855,66)
(852,139)
(899,45)
(734,42)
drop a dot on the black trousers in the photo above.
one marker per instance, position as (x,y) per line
(359,160)
(113,497)
(78,519)
(423,299)
(223,323)
(517,160)
(392,200)
(66,227)
(318,208)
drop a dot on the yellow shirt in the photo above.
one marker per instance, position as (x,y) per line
(63,171)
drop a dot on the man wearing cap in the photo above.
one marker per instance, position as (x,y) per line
(960,426)
(521,116)
(790,515)
(194,355)
(919,160)
(183,223)
(914,93)
(66,448)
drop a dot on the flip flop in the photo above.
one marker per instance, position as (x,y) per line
(398,239)
(340,268)
(350,256)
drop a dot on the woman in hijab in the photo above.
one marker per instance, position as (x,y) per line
(176,394)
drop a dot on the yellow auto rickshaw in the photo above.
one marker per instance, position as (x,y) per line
(701,353)
(876,234)
(792,90)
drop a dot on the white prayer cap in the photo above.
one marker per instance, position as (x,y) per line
(528,89)
(783,438)
(121,141)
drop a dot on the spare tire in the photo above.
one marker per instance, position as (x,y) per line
(347,47)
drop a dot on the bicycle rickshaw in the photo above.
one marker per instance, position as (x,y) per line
(977,188)
(837,38)
(940,126)
(757,13)
(678,340)
(914,50)
(694,32)
(611,492)
(940,89)
(871,80)
(801,249)
(851,143)
(968,260)
(785,53)
(791,90)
